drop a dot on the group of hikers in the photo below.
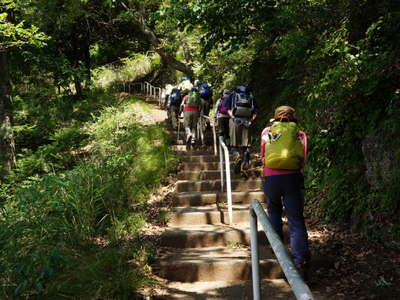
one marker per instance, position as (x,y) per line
(283,151)
(234,112)
(193,100)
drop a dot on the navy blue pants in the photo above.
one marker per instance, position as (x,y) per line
(287,191)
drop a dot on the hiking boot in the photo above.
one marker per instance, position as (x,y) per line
(188,143)
(245,165)
(237,161)
(245,174)
(194,144)
(304,270)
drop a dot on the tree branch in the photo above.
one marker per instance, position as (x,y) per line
(166,57)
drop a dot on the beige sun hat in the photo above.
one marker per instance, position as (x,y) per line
(285,111)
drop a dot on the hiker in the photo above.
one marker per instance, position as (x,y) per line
(242,110)
(185,84)
(191,112)
(166,92)
(284,151)
(206,94)
(174,103)
(222,116)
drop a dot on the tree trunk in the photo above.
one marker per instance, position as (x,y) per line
(76,55)
(88,63)
(78,87)
(166,57)
(7,144)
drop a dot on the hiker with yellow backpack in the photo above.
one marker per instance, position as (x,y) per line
(284,151)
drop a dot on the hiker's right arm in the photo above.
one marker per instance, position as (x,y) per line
(183,103)
(228,105)
(264,138)
(304,141)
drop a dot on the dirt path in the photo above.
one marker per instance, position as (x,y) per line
(154,115)
(349,266)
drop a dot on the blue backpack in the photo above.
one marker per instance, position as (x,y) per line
(175,98)
(243,104)
(205,91)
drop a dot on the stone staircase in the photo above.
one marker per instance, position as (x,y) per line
(201,256)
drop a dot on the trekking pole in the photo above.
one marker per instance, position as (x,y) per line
(179,127)
(201,131)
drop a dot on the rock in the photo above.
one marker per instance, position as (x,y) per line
(379,160)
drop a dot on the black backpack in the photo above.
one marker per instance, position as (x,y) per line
(175,98)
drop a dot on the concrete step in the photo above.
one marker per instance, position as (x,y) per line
(182,131)
(201,158)
(204,175)
(215,185)
(208,149)
(202,215)
(181,138)
(212,236)
(209,264)
(204,198)
(190,166)
(272,289)
(182,141)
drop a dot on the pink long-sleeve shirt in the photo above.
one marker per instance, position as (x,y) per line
(269,171)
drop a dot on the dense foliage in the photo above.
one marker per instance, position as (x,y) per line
(337,63)
(66,233)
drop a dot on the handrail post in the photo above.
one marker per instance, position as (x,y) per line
(214,138)
(228,185)
(221,165)
(179,127)
(228,179)
(201,130)
(255,262)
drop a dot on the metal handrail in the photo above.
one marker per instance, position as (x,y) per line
(145,87)
(179,128)
(152,91)
(299,287)
(224,156)
(199,129)
(129,87)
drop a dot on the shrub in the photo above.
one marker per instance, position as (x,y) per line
(83,221)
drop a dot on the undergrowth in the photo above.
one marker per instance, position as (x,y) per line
(72,233)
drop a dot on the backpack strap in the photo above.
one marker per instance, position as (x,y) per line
(234,100)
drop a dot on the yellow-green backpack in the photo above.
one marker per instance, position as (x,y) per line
(283,149)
